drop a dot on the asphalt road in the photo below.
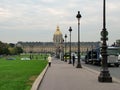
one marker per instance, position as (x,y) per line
(114,71)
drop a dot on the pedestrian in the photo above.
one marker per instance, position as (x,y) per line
(73,58)
(49,60)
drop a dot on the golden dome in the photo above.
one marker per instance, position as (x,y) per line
(57,38)
(58,32)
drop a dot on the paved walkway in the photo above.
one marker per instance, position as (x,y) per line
(63,76)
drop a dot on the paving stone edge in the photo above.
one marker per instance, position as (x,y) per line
(39,79)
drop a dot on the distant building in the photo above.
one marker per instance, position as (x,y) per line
(57,46)
(38,47)
(58,42)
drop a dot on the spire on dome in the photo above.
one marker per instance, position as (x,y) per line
(58,32)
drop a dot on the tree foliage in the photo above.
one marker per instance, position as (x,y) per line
(12,49)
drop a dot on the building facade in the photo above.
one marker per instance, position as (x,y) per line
(41,47)
(57,46)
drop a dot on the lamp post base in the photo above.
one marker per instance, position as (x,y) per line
(104,77)
(78,66)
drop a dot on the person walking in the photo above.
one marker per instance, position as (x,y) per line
(49,60)
(73,58)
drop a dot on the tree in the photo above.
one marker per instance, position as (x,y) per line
(5,51)
(9,49)
(4,48)
(18,50)
(11,45)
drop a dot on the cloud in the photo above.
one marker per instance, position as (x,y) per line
(48,1)
(41,16)
(4,13)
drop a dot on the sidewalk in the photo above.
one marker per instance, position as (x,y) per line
(63,76)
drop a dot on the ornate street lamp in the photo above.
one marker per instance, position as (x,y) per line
(104,74)
(70,30)
(65,47)
(79,56)
(62,48)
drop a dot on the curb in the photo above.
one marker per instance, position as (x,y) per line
(96,72)
(39,79)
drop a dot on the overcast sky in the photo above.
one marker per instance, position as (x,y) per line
(36,20)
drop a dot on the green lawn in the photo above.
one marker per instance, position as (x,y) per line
(19,74)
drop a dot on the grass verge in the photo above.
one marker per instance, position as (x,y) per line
(19,74)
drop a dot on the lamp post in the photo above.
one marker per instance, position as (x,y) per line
(70,30)
(65,47)
(62,48)
(104,74)
(79,56)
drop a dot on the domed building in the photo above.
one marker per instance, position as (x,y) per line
(57,37)
(57,46)
(58,41)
